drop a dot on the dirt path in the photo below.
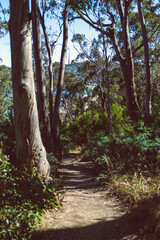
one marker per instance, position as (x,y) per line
(88,212)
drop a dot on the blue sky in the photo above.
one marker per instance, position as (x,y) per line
(77,27)
(5,42)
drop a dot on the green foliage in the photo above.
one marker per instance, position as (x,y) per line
(68,144)
(119,116)
(7,135)
(84,126)
(79,5)
(7,132)
(132,149)
(5,92)
(101,177)
(24,197)
(52,159)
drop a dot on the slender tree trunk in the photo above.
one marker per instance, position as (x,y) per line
(50,69)
(103,100)
(148,104)
(40,77)
(108,96)
(29,147)
(107,78)
(128,73)
(56,120)
(127,64)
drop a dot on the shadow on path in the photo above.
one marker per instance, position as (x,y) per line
(77,175)
(88,212)
(116,229)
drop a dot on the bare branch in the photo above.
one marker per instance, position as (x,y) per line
(149,38)
(92,23)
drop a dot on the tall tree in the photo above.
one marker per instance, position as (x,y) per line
(107,15)
(148,104)
(29,147)
(50,70)
(56,120)
(96,57)
(127,64)
(40,77)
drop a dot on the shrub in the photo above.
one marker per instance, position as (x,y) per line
(24,197)
(7,135)
(119,117)
(132,149)
(84,127)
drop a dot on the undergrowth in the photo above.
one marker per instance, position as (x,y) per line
(23,200)
(128,162)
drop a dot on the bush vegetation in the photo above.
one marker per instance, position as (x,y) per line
(127,159)
(24,198)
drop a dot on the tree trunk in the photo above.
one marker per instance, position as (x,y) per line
(50,69)
(40,77)
(127,64)
(103,100)
(107,80)
(56,120)
(29,147)
(148,104)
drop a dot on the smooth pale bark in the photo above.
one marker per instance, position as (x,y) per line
(148,102)
(49,50)
(40,78)
(56,120)
(29,147)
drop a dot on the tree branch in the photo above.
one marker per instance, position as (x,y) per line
(120,9)
(141,45)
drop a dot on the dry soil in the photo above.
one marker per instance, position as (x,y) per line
(88,211)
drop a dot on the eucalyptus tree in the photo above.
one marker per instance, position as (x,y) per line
(30,151)
(93,53)
(149,27)
(41,78)
(114,19)
(52,6)
(56,120)
(107,17)
(148,105)
(97,69)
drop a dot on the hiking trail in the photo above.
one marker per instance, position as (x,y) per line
(88,211)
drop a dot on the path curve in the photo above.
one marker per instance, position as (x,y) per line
(88,212)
